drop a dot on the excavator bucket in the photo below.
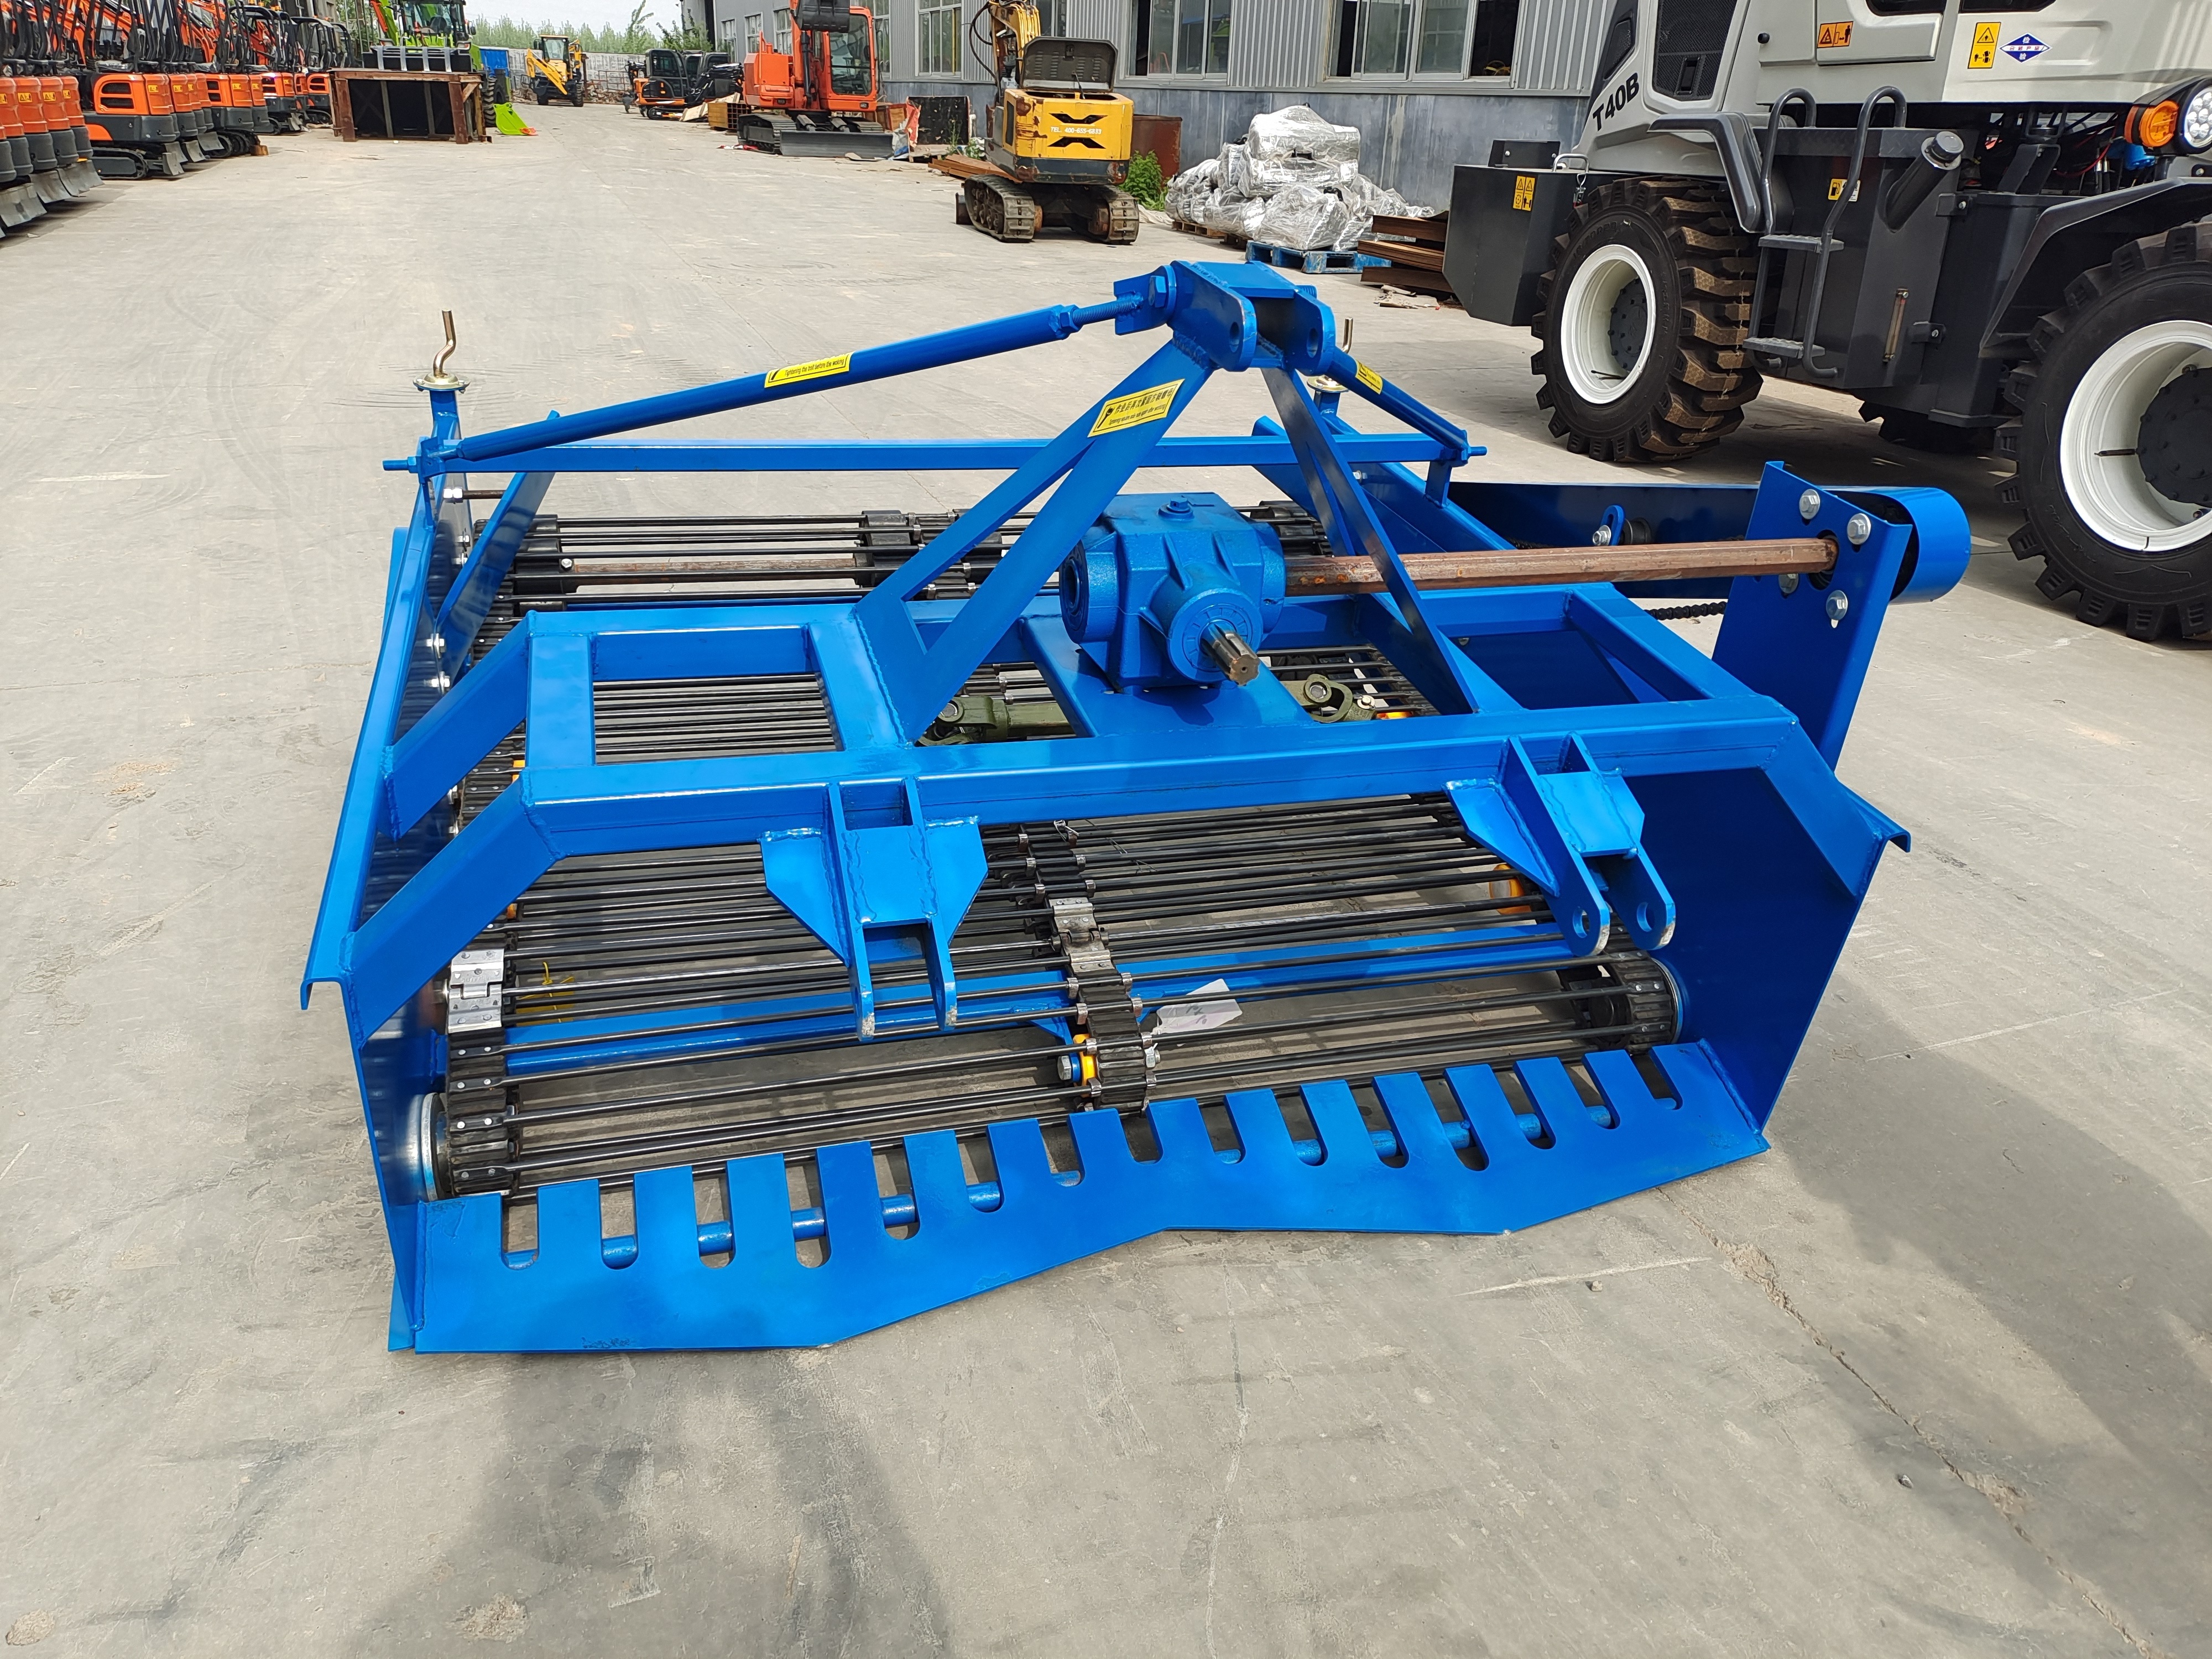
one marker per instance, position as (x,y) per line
(755,930)
(510,124)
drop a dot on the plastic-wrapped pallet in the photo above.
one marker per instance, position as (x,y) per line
(1307,217)
(1298,134)
(1191,191)
(1294,181)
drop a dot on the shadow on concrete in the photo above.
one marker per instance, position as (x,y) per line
(2088,1259)
(585,1542)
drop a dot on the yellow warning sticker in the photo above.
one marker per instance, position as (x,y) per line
(1135,409)
(1984,53)
(1524,193)
(1836,190)
(1834,37)
(1369,378)
(813,371)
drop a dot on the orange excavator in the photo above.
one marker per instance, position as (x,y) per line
(819,98)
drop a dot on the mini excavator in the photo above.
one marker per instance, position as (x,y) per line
(753,930)
(1057,135)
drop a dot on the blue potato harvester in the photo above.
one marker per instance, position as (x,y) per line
(755,930)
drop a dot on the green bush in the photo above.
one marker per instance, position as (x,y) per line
(1145,182)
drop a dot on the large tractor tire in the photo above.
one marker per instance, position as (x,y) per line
(576,94)
(1645,314)
(544,90)
(2112,451)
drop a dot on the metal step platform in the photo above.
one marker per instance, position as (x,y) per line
(755,930)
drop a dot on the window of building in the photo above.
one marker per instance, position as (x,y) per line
(883,42)
(1394,38)
(1052,18)
(782,24)
(937,37)
(754,36)
(1180,37)
(1496,26)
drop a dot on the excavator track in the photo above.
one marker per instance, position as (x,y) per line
(1120,218)
(1000,207)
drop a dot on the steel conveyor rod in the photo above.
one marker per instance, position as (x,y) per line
(1537,566)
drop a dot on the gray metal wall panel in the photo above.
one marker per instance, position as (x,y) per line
(1557,47)
(1408,141)
(1099,19)
(1277,43)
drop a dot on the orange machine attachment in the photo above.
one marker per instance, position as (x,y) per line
(21,201)
(64,116)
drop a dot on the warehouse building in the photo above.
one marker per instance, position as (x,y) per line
(1429,83)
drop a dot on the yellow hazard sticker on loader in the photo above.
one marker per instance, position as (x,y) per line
(1369,378)
(813,371)
(1984,54)
(1834,37)
(1524,193)
(1135,409)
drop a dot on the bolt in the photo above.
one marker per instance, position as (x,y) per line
(437,643)
(568,564)
(1859,529)
(1789,583)
(1839,603)
(1176,506)
(1808,504)
(1602,536)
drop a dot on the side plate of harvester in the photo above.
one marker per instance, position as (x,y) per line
(753,931)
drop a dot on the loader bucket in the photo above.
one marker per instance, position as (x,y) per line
(512,124)
(755,930)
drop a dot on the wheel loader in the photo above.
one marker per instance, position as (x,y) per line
(1057,135)
(1985,222)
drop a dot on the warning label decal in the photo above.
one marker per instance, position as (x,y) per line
(1135,409)
(813,371)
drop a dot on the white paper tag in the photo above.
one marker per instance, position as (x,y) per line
(1185,1016)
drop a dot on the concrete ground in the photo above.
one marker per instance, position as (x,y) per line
(1930,1378)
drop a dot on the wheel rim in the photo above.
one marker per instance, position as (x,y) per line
(1605,336)
(2099,440)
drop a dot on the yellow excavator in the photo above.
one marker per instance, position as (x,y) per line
(555,69)
(1058,137)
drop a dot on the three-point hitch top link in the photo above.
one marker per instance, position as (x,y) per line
(1222,317)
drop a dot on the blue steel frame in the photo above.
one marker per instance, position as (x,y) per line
(1688,801)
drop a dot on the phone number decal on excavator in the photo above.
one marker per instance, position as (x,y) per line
(813,371)
(1135,409)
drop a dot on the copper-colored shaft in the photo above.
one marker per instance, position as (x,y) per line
(1534,566)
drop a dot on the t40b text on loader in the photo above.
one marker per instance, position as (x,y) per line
(753,931)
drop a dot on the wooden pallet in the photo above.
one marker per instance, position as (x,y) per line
(1227,238)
